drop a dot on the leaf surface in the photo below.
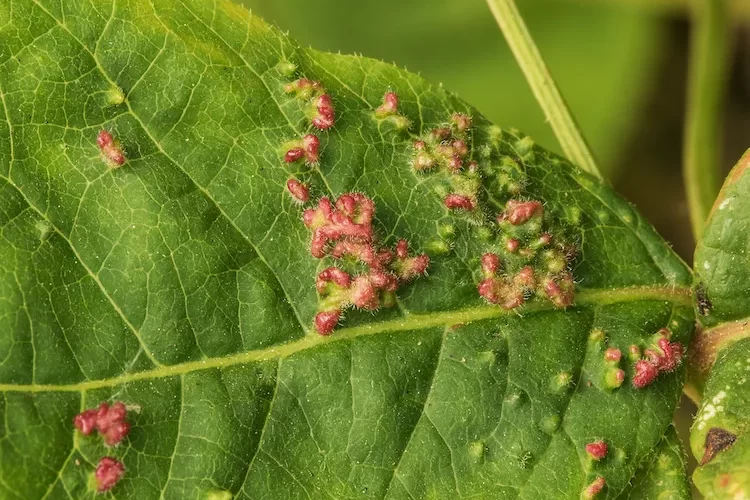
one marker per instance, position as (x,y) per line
(182,282)
(663,476)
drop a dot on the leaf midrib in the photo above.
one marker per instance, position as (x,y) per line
(590,297)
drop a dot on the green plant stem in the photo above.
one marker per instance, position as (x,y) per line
(542,85)
(706,86)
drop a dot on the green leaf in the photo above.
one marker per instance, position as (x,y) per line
(662,476)
(182,283)
(721,359)
(719,436)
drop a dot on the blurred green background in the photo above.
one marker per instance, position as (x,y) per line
(621,65)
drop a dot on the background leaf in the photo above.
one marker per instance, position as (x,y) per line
(182,282)
(721,357)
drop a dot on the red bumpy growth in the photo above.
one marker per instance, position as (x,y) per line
(110,421)
(597,450)
(458,202)
(306,148)
(298,190)
(325,115)
(109,148)
(344,229)
(389,106)
(517,212)
(664,357)
(594,488)
(108,473)
(351,218)
(326,321)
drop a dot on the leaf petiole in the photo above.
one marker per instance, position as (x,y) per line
(543,85)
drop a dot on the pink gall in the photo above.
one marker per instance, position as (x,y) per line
(356,207)
(351,219)
(518,212)
(85,422)
(332,275)
(325,116)
(461,122)
(614,378)
(560,290)
(460,148)
(490,264)
(299,191)
(364,294)
(525,278)
(109,148)
(417,265)
(668,355)
(512,245)
(384,281)
(440,134)
(326,321)
(455,164)
(303,88)
(306,148)
(109,421)
(389,106)
(402,249)
(458,202)
(645,373)
(311,145)
(108,473)
(499,291)
(294,154)
(612,354)
(409,267)
(597,449)
(423,161)
(593,489)
(487,291)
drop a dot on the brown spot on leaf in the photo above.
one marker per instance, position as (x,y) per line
(717,440)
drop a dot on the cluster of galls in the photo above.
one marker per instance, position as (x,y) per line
(319,103)
(662,356)
(344,232)
(446,149)
(111,423)
(533,262)
(322,116)
(597,451)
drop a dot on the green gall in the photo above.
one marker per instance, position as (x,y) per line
(115,96)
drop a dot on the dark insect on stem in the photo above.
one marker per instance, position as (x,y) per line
(702,300)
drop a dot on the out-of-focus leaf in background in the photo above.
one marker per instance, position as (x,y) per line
(601,55)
